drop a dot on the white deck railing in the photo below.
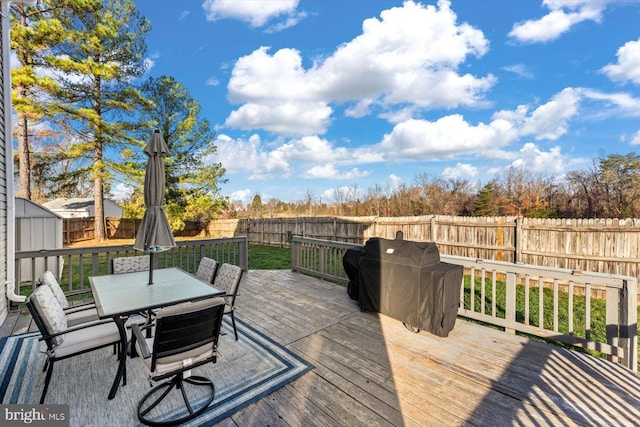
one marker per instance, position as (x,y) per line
(80,263)
(594,311)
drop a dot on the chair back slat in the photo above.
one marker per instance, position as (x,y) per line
(187,326)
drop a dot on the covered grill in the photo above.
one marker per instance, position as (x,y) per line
(407,281)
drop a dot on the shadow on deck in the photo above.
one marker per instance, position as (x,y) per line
(370,370)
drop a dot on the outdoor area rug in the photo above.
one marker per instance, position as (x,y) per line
(246,370)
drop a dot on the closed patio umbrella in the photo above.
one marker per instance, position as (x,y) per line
(154,234)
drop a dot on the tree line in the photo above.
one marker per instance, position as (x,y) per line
(609,188)
(84,111)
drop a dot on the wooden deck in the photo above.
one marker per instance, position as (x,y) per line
(370,370)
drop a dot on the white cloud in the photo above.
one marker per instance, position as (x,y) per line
(361,109)
(618,104)
(284,118)
(460,170)
(550,121)
(312,149)
(121,191)
(408,60)
(452,135)
(341,194)
(183,15)
(424,140)
(329,171)
(328,194)
(562,16)
(410,55)
(394,181)
(291,21)
(532,157)
(250,156)
(212,81)
(262,77)
(445,138)
(264,160)
(628,67)
(521,70)
(149,63)
(256,13)
(635,140)
(241,196)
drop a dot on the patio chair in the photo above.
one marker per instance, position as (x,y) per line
(228,279)
(186,337)
(75,314)
(62,340)
(207,270)
(130,264)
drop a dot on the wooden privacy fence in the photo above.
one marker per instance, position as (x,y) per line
(552,303)
(79,229)
(599,245)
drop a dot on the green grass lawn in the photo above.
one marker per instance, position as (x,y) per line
(598,308)
(269,258)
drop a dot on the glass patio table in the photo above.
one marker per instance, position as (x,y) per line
(117,296)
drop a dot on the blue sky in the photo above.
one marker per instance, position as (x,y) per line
(308,96)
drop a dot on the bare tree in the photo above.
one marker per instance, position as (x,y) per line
(524,192)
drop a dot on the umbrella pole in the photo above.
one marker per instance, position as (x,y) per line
(150,268)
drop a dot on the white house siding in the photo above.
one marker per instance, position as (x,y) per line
(3,177)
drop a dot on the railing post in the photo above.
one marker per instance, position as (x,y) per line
(517,236)
(510,302)
(322,260)
(613,307)
(629,323)
(95,264)
(244,253)
(203,252)
(295,253)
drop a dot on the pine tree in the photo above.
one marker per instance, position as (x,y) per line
(192,180)
(486,201)
(33,33)
(103,50)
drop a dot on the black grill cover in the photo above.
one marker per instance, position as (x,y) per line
(406,280)
(351,264)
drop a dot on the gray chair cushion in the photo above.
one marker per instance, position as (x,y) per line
(75,315)
(130,264)
(81,316)
(50,311)
(88,338)
(49,279)
(207,270)
(174,363)
(228,278)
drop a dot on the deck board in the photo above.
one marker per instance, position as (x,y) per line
(476,376)
(371,371)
